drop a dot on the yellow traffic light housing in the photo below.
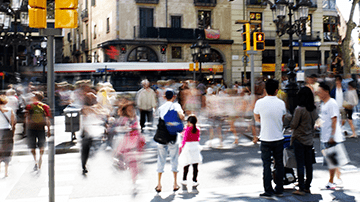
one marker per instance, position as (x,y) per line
(197,66)
(259,41)
(66,15)
(191,67)
(37,14)
(246,37)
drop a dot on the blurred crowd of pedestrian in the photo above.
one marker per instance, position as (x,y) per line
(106,114)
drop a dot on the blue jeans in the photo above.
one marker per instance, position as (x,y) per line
(162,151)
(304,156)
(274,149)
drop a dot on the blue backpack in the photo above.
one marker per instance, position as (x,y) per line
(172,121)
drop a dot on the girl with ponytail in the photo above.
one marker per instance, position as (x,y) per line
(190,149)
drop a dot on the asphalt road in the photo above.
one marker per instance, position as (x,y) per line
(232,173)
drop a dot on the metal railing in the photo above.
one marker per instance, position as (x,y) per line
(147,1)
(254,2)
(327,36)
(167,33)
(210,3)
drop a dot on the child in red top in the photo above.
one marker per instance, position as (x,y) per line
(190,149)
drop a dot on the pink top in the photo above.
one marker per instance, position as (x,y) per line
(189,136)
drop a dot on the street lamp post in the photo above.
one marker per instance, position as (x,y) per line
(199,51)
(318,44)
(298,9)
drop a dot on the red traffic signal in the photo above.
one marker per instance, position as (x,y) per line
(123,49)
(163,49)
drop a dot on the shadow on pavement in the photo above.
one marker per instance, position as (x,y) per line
(64,147)
(341,196)
(157,198)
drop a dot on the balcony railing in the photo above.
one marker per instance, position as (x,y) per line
(210,3)
(167,33)
(85,15)
(254,2)
(328,37)
(85,45)
(147,1)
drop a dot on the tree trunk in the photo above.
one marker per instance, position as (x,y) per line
(346,49)
(278,58)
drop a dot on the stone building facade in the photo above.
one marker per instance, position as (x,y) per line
(150,31)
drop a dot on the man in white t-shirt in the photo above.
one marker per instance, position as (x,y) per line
(330,129)
(270,112)
(172,147)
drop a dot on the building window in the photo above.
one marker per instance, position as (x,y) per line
(256,16)
(176,52)
(146,21)
(329,4)
(69,37)
(330,28)
(93,3)
(204,19)
(107,25)
(94,31)
(309,26)
(268,56)
(176,21)
(312,57)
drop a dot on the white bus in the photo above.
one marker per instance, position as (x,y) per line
(124,76)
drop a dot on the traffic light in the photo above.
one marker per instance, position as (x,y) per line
(37,14)
(163,49)
(191,67)
(246,36)
(197,66)
(259,41)
(66,15)
(123,49)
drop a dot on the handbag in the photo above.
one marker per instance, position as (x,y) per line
(11,129)
(289,158)
(172,121)
(162,134)
(336,156)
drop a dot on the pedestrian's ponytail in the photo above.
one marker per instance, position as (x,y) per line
(193,120)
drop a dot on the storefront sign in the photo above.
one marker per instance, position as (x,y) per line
(271,67)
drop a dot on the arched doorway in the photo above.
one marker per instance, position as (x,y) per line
(142,54)
(215,56)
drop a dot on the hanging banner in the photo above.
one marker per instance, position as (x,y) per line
(212,34)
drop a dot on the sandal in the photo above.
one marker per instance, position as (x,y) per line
(157,190)
(177,188)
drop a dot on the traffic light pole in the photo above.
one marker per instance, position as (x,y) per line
(50,33)
(252,53)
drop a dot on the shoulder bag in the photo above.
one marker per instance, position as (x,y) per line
(162,134)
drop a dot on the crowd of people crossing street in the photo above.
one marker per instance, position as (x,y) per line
(324,105)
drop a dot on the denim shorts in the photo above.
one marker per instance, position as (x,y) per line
(162,151)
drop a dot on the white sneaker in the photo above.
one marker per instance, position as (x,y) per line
(338,182)
(195,184)
(184,182)
(330,185)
